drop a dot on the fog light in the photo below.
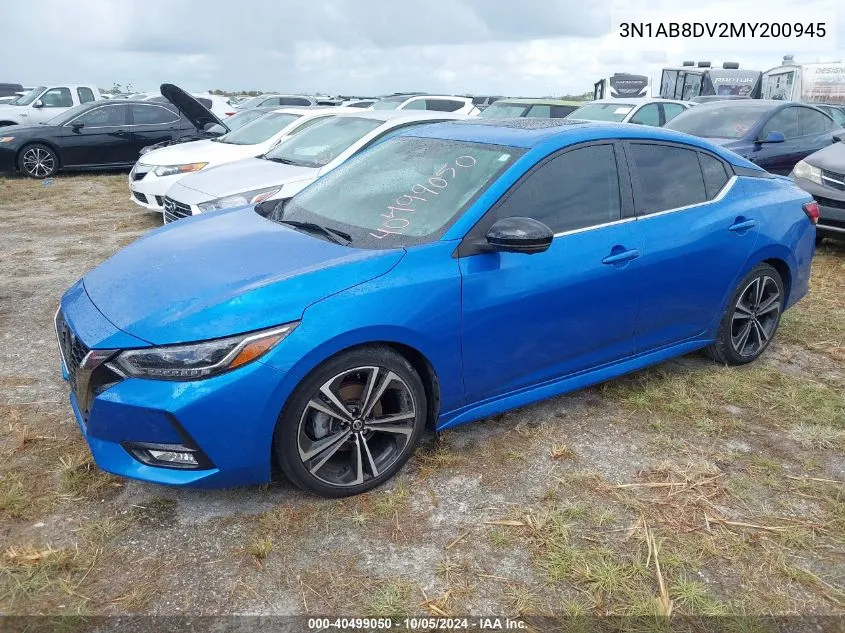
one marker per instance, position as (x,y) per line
(174,457)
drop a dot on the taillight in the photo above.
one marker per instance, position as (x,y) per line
(812,211)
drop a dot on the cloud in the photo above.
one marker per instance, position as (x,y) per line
(533,47)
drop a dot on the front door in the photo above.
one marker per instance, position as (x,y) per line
(100,136)
(527,319)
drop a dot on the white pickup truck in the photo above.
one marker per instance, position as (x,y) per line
(44,102)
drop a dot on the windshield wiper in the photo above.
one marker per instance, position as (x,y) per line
(283,161)
(338,237)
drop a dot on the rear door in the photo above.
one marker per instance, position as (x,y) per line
(151,124)
(99,136)
(698,230)
(816,130)
(527,319)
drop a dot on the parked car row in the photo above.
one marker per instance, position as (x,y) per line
(432,274)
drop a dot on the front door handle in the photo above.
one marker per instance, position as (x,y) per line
(741,225)
(121,133)
(619,257)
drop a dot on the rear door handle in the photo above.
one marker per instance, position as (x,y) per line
(742,225)
(121,133)
(618,258)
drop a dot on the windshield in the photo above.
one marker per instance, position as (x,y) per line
(390,103)
(718,120)
(258,130)
(405,190)
(322,143)
(29,97)
(504,110)
(602,111)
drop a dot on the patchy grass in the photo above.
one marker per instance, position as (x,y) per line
(391,599)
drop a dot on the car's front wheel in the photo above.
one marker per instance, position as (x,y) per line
(352,423)
(38,161)
(751,318)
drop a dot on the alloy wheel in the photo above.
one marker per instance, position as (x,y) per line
(356,426)
(38,162)
(755,316)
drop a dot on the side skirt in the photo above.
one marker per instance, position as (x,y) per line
(559,386)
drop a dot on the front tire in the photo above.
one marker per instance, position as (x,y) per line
(352,423)
(751,318)
(38,161)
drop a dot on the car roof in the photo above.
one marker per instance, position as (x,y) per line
(398,115)
(532,101)
(635,100)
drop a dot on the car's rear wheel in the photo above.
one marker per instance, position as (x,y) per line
(751,318)
(352,423)
(38,161)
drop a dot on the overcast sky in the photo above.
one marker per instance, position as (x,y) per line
(510,47)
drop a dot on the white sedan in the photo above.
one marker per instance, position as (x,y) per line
(158,170)
(437,103)
(293,164)
(654,112)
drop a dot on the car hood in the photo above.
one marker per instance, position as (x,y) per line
(192,109)
(197,152)
(247,174)
(830,158)
(224,273)
(728,143)
(25,132)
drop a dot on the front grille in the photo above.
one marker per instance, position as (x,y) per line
(833,180)
(175,210)
(160,201)
(73,350)
(140,197)
(829,202)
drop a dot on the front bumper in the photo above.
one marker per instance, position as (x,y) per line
(146,189)
(831,208)
(227,420)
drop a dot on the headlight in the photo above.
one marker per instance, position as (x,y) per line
(200,360)
(240,199)
(808,172)
(171,170)
(6,139)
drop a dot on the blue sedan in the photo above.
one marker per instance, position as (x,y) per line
(772,134)
(446,274)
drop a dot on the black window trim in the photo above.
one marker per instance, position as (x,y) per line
(151,105)
(635,182)
(474,242)
(99,107)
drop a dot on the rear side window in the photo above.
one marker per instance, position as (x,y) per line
(560,111)
(669,177)
(671,110)
(86,95)
(443,105)
(715,175)
(574,190)
(294,101)
(151,114)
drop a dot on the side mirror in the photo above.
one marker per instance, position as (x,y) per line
(839,138)
(519,235)
(38,103)
(77,126)
(773,137)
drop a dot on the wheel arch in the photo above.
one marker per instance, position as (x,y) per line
(785,273)
(39,141)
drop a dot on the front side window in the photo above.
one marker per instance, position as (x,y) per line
(784,121)
(415,104)
(321,144)
(647,115)
(504,110)
(574,190)
(540,111)
(152,115)
(813,122)
(669,177)
(259,130)
(57,98)
(403,191)
(86,95)
(390,103)
(602,111)
(105,116)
